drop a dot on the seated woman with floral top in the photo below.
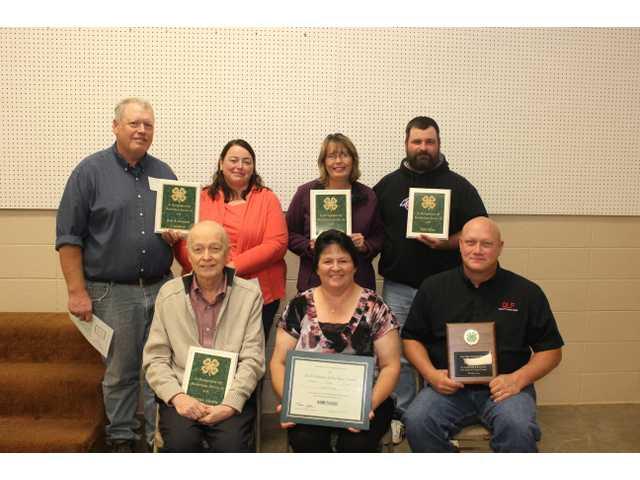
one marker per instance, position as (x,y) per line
(339,316)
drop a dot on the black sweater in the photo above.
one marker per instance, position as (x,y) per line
(408,261)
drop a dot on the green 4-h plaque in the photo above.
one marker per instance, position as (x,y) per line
(330,209)
(428,212)
(208,374)
(177,205)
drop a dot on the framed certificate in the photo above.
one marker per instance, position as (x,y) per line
(429,210)
(330,209)
(177,205)
(208,374)
(471,351)
(331,390)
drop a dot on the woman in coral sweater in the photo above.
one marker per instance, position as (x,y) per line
(252,217)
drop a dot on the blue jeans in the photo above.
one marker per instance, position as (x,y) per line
(128,309)
(399,298)
(433,419)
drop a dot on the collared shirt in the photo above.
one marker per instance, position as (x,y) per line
(108,210)
(206,313)
(519,308)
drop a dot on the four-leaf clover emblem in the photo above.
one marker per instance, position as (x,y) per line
(428,202)
(178,194)
(330,203)
(210,366)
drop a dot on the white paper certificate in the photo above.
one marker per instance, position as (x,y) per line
(97,333)
(328,389)
(334,392)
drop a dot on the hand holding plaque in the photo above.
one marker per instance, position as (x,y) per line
(471,351)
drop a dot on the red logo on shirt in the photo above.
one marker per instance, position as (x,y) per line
(509,306)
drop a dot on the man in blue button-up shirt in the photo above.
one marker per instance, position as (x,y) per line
(113,262)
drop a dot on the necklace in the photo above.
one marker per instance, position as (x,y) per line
(336,305)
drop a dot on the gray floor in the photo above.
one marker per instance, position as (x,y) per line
(579,428)
(583,428)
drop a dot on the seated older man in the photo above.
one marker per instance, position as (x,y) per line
(209,308)
(527,340)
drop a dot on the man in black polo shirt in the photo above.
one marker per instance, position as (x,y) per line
(479,291)
(113,263)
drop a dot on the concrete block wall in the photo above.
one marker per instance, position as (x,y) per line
(589,268)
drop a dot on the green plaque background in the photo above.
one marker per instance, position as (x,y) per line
(426,219)
(179,213)
(327,217)
(203,385)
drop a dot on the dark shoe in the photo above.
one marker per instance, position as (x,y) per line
(122,446)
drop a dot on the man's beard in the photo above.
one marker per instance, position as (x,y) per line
(423,162)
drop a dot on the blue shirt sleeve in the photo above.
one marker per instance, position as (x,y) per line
(73,213)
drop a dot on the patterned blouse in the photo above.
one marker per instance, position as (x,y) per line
(371,320)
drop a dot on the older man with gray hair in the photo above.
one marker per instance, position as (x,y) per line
(113,262)
(211,308)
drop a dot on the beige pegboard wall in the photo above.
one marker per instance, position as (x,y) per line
(541,121)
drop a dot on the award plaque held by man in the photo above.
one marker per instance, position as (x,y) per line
(208,374)
(471,350)
(429,212)
(177,205)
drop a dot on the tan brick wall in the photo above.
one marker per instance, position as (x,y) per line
(588,266)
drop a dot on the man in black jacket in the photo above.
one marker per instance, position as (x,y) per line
(405,262)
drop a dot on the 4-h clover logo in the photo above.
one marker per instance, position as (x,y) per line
(330,203)
(428,202)
(210,366)
(178,194)
(471,336)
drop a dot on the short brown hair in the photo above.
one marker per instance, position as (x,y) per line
(421,123)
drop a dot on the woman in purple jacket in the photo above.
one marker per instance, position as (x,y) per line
(339,169)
